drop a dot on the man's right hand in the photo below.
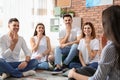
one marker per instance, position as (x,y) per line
(14,40)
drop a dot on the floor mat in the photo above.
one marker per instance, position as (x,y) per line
(34,79)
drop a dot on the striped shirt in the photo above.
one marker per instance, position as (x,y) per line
(107,69)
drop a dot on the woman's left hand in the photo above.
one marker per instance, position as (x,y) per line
(71,72)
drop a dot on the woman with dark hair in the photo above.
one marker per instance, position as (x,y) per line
(41,46)
(109,65)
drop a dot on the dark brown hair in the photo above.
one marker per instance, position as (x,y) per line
(35,32)
(13,19)
(67,15)
(111,25)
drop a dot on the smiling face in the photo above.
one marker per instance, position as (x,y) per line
(14,26)
(87,30)
(40,29)
(67,21)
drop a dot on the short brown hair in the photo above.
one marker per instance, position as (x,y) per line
(67,15)
(13,19)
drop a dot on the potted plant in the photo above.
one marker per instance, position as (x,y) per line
(72,13)
(63,12)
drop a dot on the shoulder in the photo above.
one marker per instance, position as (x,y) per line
(20,37)
(109,46)
(108,52)
(47,38)
(3,36)
(32,38)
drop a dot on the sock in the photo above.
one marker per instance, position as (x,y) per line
(29,73)
(4,76)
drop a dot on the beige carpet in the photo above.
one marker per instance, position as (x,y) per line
(41,75)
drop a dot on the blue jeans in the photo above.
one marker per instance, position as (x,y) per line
(12,67)
(78,65)
(43,65)
(75,65)
(70,51)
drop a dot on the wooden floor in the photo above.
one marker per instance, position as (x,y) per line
(41,75)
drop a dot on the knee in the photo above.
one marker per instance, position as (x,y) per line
(51,58)
(2,60)
(57,48)
(43,65)
(34,61)
(74,46)
(46,66)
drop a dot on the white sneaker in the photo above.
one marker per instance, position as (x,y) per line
(1,78)
(50,66)
(29,73)
(4,76)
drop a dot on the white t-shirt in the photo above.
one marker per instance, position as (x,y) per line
(74,33)
(42,48)
(94,44)
(12,56)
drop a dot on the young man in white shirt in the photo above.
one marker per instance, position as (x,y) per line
(68,39)
(10,47)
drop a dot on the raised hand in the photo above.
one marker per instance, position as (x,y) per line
(14,38)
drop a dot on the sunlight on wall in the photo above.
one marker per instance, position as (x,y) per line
(27,11)
(22,9)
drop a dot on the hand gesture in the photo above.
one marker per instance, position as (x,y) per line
(68,30)
(39,36)
(62,45)
(87,42)
(22,65)
(71,72)
(14,38)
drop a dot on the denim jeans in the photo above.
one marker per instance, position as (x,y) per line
(43,65)
(12,67)
(70,51)
(75,65)
(78,65)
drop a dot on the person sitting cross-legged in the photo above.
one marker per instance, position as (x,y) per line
(68,39)
(10,47)
(41,47)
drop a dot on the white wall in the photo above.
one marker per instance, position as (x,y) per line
(22,9)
